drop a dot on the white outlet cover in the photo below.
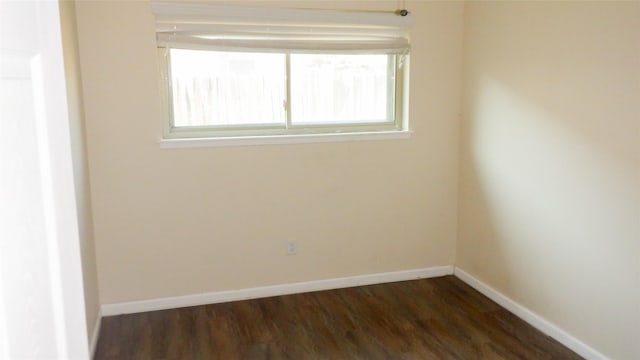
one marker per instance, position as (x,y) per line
(292,247)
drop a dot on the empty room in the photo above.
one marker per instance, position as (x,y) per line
(320,180)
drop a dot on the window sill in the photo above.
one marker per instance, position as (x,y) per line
(282,139)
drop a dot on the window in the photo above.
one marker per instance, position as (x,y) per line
(233,72)
(226,89)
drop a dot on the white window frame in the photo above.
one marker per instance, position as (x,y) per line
(170,16)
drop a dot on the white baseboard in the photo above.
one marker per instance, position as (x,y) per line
(95,335)
(530,317)
(274,290)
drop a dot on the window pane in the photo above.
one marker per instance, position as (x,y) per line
(340,88)
(212,88)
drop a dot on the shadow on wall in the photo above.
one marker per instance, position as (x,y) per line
(544,182)
(550,202)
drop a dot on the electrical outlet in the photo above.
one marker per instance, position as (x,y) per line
(292,247)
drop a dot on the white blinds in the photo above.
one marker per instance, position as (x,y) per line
(200,25)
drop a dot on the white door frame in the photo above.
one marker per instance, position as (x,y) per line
(36,39)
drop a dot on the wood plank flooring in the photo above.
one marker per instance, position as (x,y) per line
(439,318)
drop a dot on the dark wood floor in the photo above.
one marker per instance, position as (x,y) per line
(440,318)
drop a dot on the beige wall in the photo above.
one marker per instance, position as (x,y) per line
(183,221)
(549,209)
(80,165)
(550,163)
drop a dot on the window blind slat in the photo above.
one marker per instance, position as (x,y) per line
(234,27)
